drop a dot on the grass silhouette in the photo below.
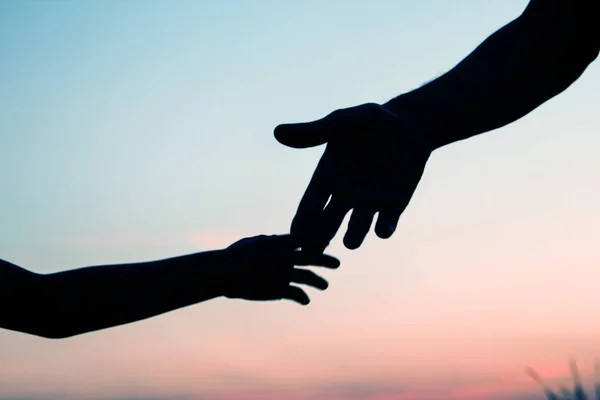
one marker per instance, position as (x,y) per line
(577,393)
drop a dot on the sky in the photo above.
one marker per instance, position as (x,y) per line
(137,130)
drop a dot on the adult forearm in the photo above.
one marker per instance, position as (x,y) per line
(518,68)
(94,298)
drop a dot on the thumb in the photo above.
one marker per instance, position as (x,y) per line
(304,134)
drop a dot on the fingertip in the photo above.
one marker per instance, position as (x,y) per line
(290,135)
(385,232)
(352,241)
(387,222)
(323,285)
(301,135)
(283,135)
(296,294)
(279,131)
(305,298)
(335,263)
(351,244)
(329,261)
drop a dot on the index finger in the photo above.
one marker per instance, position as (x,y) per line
(313,201)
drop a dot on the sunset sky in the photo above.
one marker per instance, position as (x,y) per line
(143,129)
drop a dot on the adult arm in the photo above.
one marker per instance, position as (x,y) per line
(521,66)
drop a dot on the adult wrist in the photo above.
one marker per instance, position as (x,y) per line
(418,118)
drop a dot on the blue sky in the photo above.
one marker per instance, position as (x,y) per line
(135,130)
(113,112)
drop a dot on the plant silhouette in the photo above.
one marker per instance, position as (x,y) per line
(577,393)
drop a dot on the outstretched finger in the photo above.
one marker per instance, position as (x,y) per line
(331,220)
(304,258)
(358,227)
(296,294)
(307,277)
(313,202)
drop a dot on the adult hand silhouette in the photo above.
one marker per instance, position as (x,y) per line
(373,162)
(263,268)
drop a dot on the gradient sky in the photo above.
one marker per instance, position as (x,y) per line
(141,129)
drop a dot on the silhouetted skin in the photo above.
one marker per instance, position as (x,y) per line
(578,393)
(74,302)
(376,153)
